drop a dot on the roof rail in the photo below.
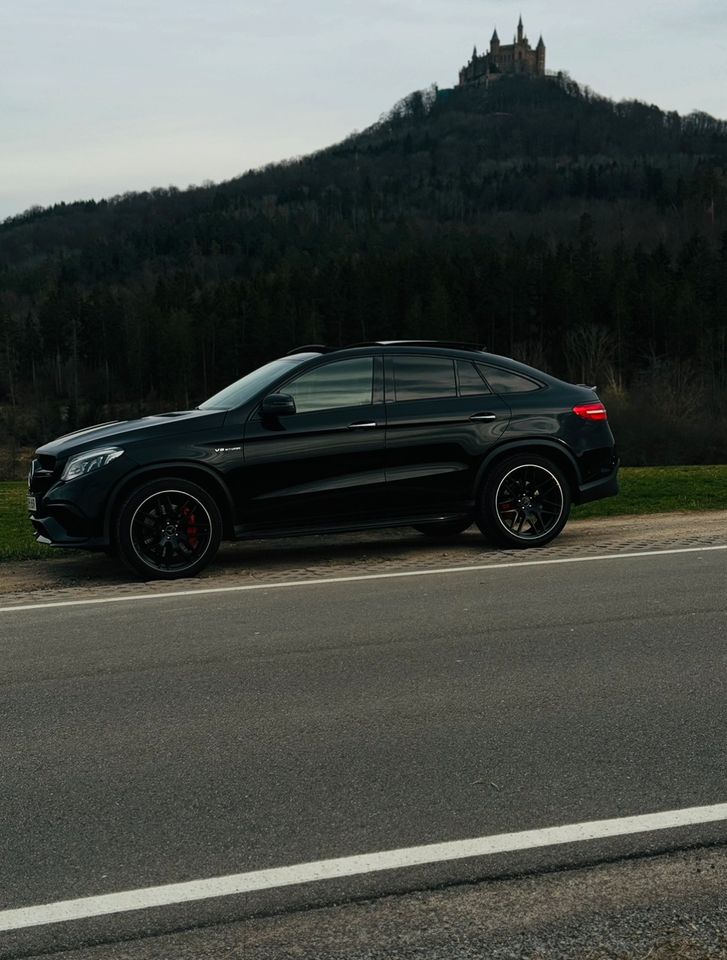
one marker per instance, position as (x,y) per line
(311,348)
(445,344)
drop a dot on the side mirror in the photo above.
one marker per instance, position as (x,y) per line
(278,405)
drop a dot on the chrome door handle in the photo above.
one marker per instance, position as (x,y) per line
(483,416)
(362,425)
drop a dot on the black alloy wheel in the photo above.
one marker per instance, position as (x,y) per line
(168,528)
(525,502)
(442,529)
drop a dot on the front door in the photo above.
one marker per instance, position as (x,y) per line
(323,465)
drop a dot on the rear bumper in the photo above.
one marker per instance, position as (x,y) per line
(598,489)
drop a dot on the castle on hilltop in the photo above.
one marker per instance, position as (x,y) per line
(517,57)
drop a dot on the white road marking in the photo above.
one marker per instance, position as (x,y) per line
(354,579)
(176,893)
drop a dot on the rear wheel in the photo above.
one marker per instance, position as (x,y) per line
(167,529)
(441,529)
(524,502)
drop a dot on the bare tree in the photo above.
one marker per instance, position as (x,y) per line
(589,352)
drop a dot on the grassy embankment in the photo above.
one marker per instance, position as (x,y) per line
(16,537)
(643,490)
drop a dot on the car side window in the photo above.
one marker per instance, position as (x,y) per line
(424,378)
(470,382)
(505,381)
(344,383)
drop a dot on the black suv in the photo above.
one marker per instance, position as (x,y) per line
(424,434)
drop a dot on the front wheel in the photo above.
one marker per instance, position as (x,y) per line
(167,529)
(524,502)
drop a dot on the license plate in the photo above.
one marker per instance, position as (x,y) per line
(32,504)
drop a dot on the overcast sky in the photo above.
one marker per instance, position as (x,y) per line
(102,96)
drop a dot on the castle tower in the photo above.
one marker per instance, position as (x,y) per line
(516,58)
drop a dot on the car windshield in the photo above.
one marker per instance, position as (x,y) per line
(243,390)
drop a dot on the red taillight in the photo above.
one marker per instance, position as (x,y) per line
(591,411)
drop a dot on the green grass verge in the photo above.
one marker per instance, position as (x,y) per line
(643,490)
(16,534)
(662,490)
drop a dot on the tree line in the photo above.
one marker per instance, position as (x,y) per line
(583,236)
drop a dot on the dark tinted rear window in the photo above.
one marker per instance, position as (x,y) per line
(505,381)
(471,383)
(424,378)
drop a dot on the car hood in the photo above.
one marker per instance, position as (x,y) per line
(118,432)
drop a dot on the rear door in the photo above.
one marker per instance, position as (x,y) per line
(442,419)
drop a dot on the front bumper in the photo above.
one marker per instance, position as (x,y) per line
(72,513)
(52,532)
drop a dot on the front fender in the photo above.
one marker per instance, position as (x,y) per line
(196,472)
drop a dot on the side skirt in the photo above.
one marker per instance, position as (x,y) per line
(243,532)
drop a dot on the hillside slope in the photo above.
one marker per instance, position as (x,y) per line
(579,234)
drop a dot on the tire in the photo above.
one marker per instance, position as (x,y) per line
(443,529)
(167,529)
(524,502)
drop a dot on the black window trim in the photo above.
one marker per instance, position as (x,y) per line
(474,363)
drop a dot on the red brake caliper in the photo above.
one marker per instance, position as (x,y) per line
(191,528)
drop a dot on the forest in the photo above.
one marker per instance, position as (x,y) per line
(583,236)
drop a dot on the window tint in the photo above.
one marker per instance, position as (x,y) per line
(471,383)
(424,378)
(505,381)
(346,383)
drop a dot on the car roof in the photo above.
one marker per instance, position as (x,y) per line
(449,348)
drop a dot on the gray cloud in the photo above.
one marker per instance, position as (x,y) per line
(101,96)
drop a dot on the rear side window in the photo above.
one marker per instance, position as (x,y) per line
(505,381)
(471,383)
(424,378)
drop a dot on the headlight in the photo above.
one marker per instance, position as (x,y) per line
(84,463)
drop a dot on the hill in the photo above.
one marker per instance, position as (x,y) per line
(585,236)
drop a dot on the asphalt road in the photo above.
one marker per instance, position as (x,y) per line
(171,739)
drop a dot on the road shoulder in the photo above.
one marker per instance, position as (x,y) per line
(669,907)
(88,575)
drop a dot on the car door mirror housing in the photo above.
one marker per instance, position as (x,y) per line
(278,405)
